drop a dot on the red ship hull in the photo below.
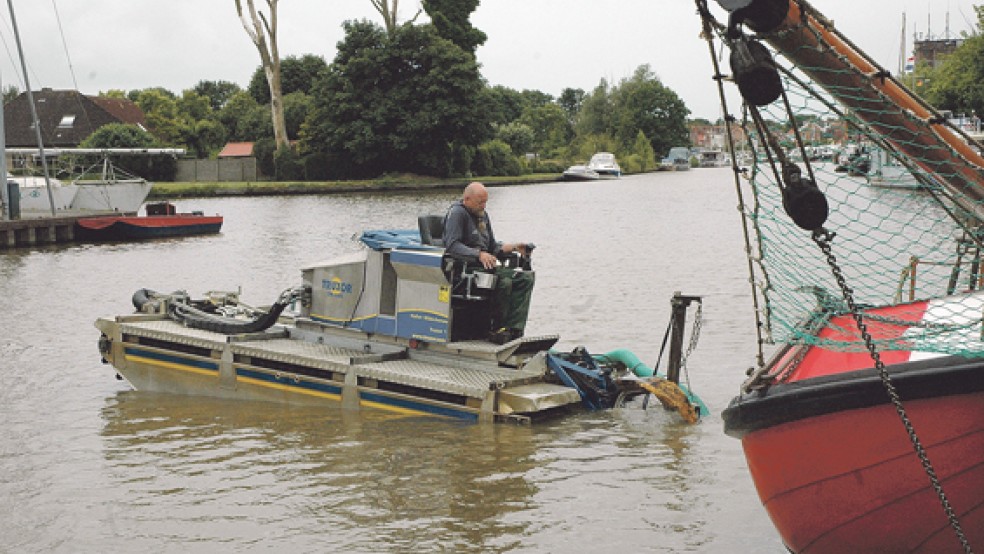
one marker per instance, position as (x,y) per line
(835,467)
(850,482)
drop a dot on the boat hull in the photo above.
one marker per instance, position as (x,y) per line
(146,227)
(837,472)
(175,373)
(323,365)
(119,196)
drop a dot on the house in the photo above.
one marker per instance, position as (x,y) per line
(67,117)
(236,150)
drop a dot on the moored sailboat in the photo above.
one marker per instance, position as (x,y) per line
(864,429)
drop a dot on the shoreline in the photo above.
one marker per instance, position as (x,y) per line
(169,190)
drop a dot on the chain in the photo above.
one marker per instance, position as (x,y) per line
(694,336)
(822,237)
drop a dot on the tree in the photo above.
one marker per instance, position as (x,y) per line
(958,85)
(10,92)
(549,125)
(518,136)
(503,104)
(451,19)
(389,12)
(193,106)
(217,92)
(263,33)
(244,119)
(296,108)
(119,135)
(296,75)
(641,155)
(125,135)
(207,138)
(642,103)
(160,109)
(399,102)
(595,117)
(570,101)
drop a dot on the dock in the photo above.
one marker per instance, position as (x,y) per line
(41,231)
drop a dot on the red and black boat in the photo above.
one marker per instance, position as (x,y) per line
(832,464)
(161,221)
(864,430)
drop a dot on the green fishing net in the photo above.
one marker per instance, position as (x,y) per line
(901,238)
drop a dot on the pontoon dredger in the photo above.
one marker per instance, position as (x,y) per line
(397,326)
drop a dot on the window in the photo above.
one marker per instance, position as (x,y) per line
(67,122)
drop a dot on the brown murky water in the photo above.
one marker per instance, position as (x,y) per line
(88,465)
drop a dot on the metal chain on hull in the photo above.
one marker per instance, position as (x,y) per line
(823,238)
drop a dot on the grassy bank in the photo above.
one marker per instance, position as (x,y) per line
(163,190)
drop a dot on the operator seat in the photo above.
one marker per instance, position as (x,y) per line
(471,315)
(431,229)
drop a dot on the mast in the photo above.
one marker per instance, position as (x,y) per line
(34,111)
(902,56)
(4,196)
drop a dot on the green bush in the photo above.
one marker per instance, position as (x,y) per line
(317,166)
(540,165)
(495,158)
(461,162)
(633,163)
(288,164)
(263,151)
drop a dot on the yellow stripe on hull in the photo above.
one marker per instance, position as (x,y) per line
(171,365)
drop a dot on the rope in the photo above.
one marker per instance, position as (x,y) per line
(879,232)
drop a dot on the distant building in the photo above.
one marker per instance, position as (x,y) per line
(67,117)
(714,136)
(933,51)
(237,150)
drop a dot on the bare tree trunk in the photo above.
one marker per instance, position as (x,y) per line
(263,33)
(388,9)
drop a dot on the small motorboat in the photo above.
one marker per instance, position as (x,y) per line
(604,164)
(160,221)
(580,173)
(678,159)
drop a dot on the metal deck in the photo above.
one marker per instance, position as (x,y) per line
(466,377)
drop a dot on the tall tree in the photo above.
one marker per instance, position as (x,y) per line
(297,74)
(388,9)
(595,116)
(643,103)
(451,19)
(400,102)
(217,92)
(263,33)
(958,84)
(550,128)
(570,100)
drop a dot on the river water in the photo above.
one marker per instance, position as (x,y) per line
(88,465)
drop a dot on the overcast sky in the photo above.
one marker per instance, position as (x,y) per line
(546,45)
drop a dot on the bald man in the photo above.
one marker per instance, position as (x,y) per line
(468,236)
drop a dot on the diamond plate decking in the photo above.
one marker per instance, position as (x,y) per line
(474,382)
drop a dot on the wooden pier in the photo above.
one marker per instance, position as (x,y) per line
(39,231)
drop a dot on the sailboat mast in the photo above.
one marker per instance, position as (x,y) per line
(902,57)
(34,111)
(4,190)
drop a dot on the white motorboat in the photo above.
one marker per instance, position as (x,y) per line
(580,173)
(678,159)
(604,163)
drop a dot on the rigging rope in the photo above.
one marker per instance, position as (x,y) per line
(876,234)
